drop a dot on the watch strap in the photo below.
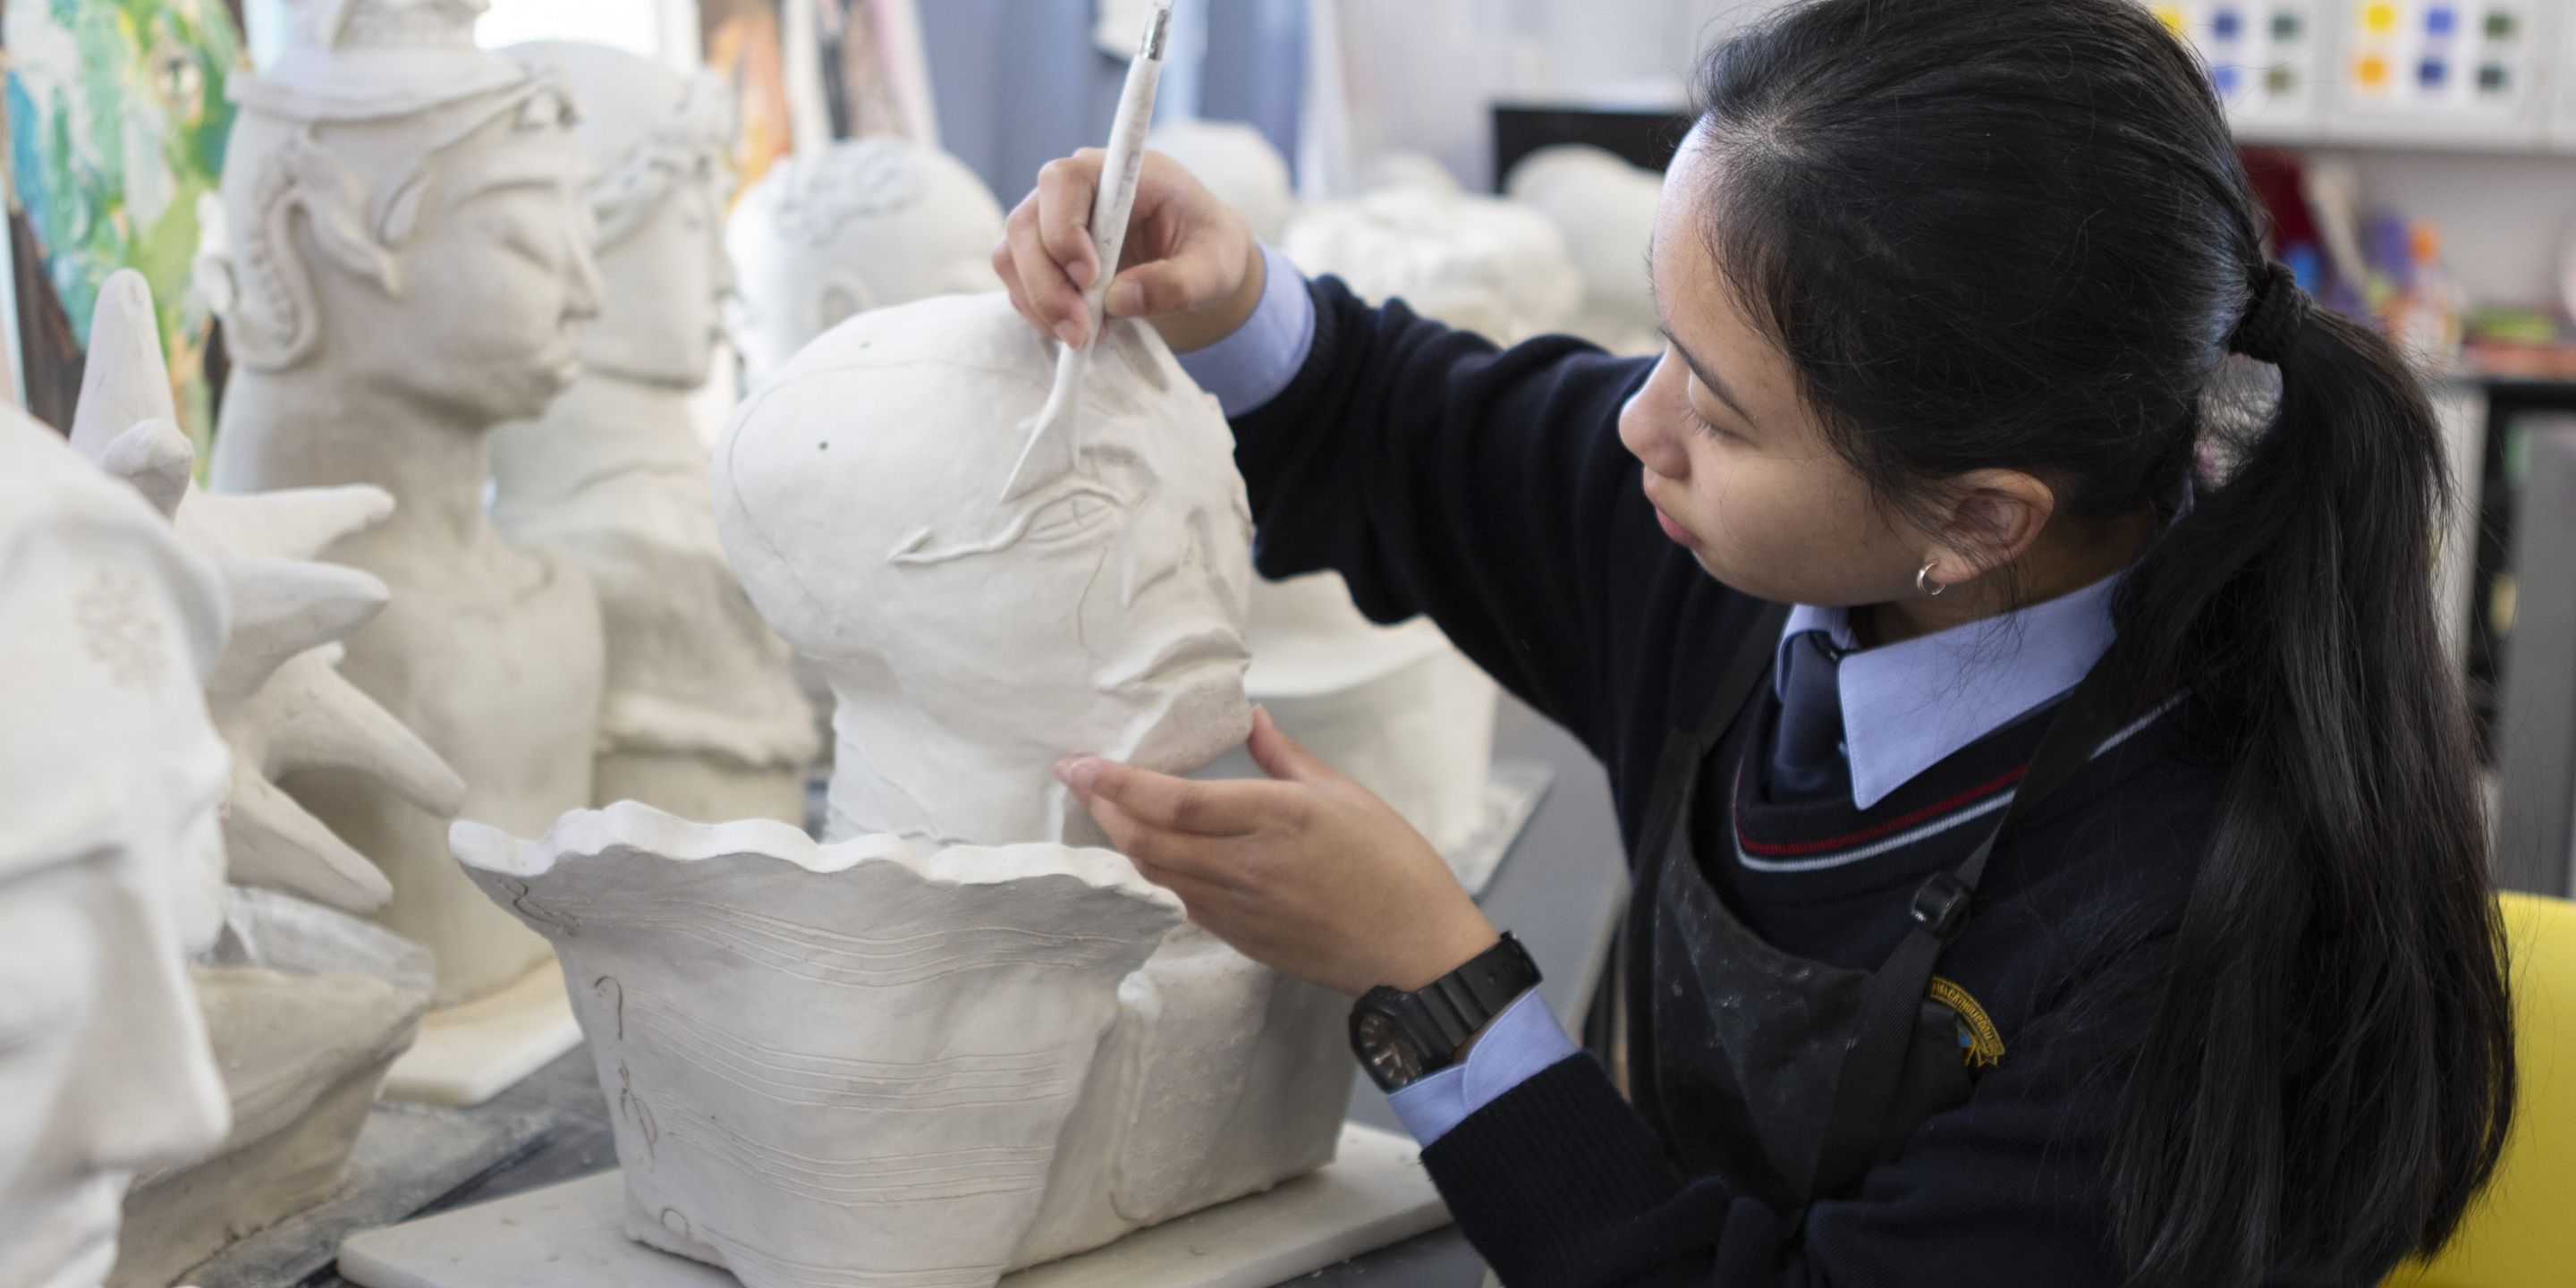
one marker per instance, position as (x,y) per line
(1447,1012)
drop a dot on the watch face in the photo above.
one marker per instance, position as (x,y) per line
(1392,1061)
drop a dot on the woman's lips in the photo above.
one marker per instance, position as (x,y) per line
(1680,535)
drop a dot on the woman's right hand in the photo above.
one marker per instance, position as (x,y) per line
(1190,267)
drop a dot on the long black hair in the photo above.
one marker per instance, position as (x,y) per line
(2015,233)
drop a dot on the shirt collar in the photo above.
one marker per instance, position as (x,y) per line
(1908,706)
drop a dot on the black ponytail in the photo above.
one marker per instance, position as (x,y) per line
(2014,233)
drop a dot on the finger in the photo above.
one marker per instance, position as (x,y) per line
(1184,283)
(1053,298)
(1201,809)
(1065,192)
(1283,757)
(1202,897)
(1145,844)
(1007,268)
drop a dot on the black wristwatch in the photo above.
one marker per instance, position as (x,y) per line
(1401,1037)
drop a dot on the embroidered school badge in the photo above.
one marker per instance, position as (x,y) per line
(1980,1045)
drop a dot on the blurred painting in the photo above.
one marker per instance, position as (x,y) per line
(874,78)
(743,43)
(117,122)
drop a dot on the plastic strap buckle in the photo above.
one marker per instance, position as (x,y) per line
(1941,905)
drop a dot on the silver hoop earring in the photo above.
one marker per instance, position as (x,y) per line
(1923,582)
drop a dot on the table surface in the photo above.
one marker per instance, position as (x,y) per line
(1559,891)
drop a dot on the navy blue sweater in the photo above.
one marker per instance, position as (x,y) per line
(1489,490)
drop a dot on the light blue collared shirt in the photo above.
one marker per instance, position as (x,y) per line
(1906,706)
(1251,366)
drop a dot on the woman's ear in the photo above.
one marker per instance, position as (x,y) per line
(1992,518)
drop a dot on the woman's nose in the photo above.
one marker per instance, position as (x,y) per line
(1650,424)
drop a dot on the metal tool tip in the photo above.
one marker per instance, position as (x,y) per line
(1157,27)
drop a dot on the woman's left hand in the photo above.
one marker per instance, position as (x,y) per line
(1308,872)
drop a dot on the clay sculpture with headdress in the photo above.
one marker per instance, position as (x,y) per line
(306,1005)
(701,718)
(979,1043)
(863,224)
(407,264)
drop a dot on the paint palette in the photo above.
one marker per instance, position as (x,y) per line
(2265,56)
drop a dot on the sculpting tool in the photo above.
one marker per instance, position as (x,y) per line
(1054,436)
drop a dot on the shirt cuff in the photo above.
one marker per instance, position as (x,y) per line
(1520,1044)
(1251,366)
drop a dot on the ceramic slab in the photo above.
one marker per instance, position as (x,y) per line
(468,1054)
(408,1157)
(572,1236)
(1512,795)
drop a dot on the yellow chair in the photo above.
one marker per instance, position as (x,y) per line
(2522,1232)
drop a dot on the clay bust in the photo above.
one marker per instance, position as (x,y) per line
(701,717)
(310,1006)
(950,994)
(1237,163)
(1605,207)
(111,858)
(409,264)
(1481,264)
(863,224)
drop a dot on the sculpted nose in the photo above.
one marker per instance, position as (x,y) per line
(144,1092)
(582,293)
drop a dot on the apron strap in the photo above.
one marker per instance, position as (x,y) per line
(1874,1064)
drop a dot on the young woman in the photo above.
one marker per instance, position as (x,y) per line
(2083,885)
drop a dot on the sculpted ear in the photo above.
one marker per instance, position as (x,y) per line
(842,298)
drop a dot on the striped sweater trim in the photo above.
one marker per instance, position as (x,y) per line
(1908,829)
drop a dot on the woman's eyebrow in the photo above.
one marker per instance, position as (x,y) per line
(1706,376)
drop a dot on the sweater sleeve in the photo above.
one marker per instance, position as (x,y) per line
(1484,487)
(1559,1183)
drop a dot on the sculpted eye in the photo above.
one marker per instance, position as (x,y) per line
(1072,516)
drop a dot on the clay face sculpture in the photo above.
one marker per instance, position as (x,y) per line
(408,264)
(110,854)
(860,497)
(701,717)
(1606,209)
(864,224)
(945,1044)
(1477,263)
(1238,164)
(311,1006)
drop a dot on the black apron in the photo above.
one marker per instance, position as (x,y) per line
(1789,1078)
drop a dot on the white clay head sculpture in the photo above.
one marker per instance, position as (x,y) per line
(1494,267)
(277,697)
(659,146)
(111,864)
(406,208)
(1605,207)
(971,642)
(1237,163)
(864,224)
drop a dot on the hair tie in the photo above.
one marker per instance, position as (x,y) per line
(2274,318)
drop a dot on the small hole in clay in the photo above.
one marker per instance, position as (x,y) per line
(823,446)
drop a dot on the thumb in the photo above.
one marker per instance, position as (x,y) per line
(1182,284)
(1284,758)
